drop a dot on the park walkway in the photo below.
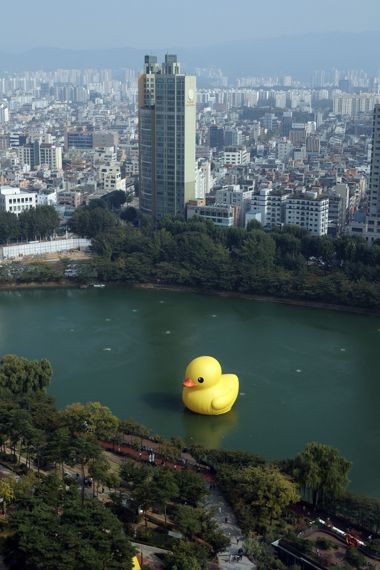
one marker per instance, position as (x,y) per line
(223,515)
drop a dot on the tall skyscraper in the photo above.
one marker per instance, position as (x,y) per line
(167,116)
(373,225)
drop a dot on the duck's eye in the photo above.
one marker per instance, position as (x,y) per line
(201,380)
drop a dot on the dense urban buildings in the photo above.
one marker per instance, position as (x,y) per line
(276,150)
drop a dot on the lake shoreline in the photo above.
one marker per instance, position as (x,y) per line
(66,284)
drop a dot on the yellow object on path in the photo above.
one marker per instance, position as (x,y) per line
(136,565)
(206,390)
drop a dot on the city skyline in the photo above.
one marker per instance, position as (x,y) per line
(86,25)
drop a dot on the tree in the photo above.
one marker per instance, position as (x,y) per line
(99,470)
(9,227)
(164,488)
(321,470)
(7,493)
(115,199)
(134,473)
(52,530)
(110,243)
(260,553)
(22,376)
(186,556)
(188,520)
(129,214)
(168,452)
(191,486)
(84,449)
(15,422)
(89,222)
(144,497)
(261,493)
(93,417)
(38,222)
(56,451)
(132,427)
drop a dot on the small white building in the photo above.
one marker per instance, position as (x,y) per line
(47,199)
(110,178)
(15,201)
(309,211)
(284,149)
(236,155)
(267,206)
(203,178)
(219,214)
(235,196)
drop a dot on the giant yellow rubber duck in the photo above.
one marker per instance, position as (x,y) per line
(206,390)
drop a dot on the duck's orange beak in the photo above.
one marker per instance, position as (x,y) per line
(189,383)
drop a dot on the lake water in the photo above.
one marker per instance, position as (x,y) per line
(305,374)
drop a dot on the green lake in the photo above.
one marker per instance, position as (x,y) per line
(305,374)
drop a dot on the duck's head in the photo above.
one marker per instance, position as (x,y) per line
(202,372)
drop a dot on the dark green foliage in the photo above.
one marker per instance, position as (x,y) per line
(260,495)
(132,473)
(197,523)
(52,530)
(36,223)
(285,263)
(22,376)
(90,222)
(191,486)
(374,546)
(187,556)
(322,471)
(358,510)
(262,554)
(218,457)
(114,200)
(355,558)
(129,214)
(9,227)
(324,543)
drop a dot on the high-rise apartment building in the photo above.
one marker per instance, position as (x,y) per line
(4,113)
(167,118)
(51,155)
(373,221)
(29,154)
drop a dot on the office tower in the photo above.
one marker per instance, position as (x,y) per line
(167,114)
(373,226)
(287,121)
(216,137)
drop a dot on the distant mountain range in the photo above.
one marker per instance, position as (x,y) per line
(295,55)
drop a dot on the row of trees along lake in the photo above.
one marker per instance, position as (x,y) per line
(52,520)
(286,263)
(36,223)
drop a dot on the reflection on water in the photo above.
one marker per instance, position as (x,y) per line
(208,431)
(163,400)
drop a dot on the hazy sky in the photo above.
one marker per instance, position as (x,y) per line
(173,23)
